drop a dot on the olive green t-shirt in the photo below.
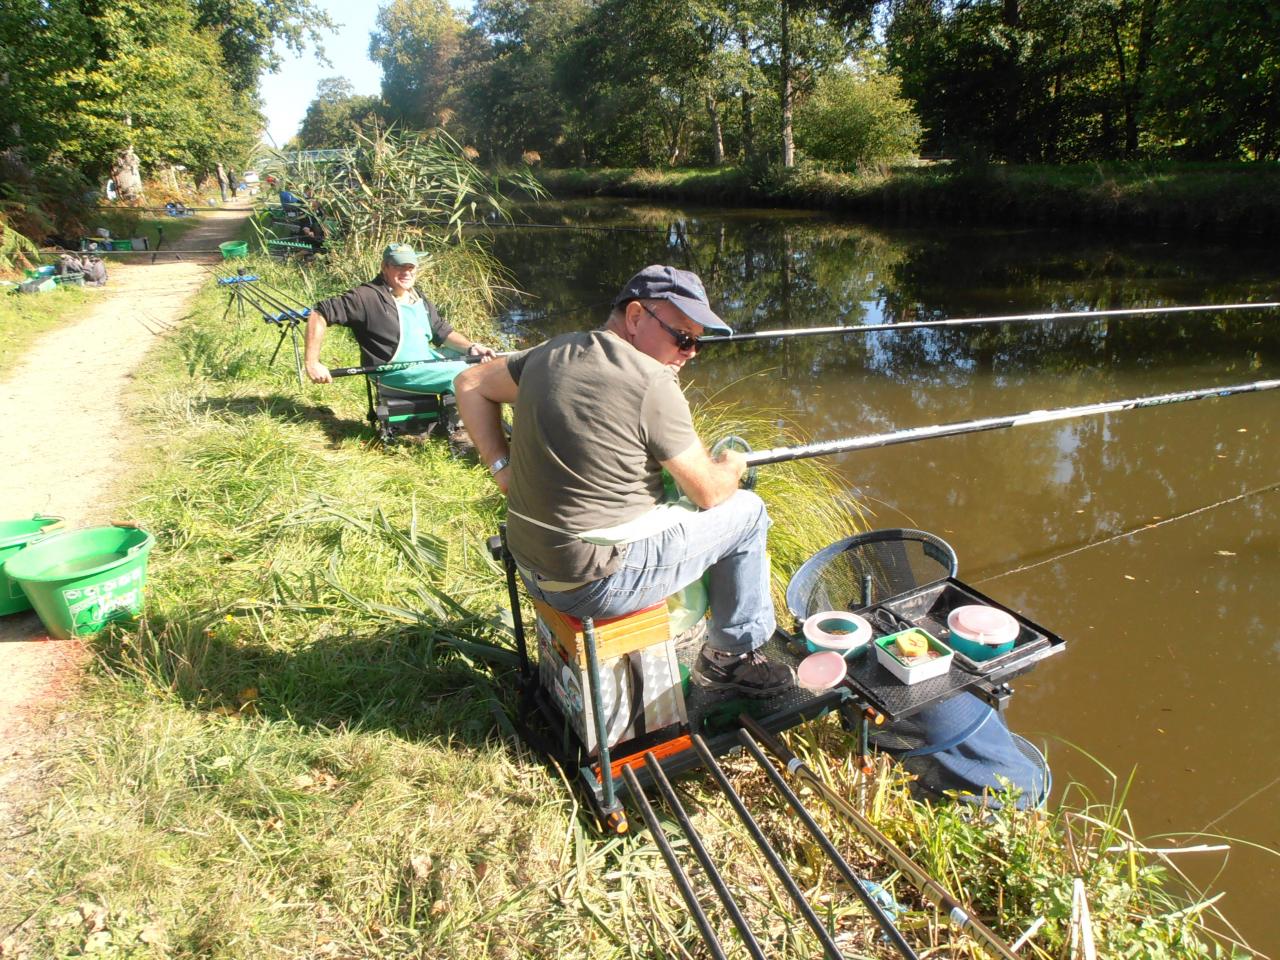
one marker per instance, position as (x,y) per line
(593,418)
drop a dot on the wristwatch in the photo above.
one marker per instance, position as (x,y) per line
(498,465)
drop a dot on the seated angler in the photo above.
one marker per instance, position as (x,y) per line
(598,415)
(393,323)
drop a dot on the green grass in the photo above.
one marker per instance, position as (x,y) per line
(1221,199)
(23,317)
(305,750)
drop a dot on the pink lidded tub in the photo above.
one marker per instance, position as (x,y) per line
(981,632)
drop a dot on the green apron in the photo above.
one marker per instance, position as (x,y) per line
(415,344)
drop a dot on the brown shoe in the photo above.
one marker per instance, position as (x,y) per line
(460,443)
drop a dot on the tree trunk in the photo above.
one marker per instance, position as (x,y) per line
(786,93)
(124,171)
(1146,32)
(748,111)
(717,132)
(1126,93)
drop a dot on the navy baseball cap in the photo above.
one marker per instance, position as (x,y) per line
(680,287)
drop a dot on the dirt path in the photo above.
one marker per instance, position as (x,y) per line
(65,442)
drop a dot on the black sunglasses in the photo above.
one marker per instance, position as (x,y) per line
(684,341)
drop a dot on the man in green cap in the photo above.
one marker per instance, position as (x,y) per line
(393,322)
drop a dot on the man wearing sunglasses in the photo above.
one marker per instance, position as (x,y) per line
(598,416)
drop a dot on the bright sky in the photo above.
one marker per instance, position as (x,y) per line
(287,93)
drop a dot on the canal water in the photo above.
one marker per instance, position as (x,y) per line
(1149,539)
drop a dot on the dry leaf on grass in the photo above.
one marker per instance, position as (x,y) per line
(421,867)
(94,916)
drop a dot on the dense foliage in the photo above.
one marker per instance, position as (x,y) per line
(173,82)
(635,82)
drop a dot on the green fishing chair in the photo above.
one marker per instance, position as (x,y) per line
(397,413)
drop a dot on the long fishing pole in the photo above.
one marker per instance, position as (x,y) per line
(959,914)
(825,448)
(977,321)
(404,365)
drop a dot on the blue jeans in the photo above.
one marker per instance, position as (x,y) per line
(726,542)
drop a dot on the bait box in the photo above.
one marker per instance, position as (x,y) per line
(919,672)
(639,679)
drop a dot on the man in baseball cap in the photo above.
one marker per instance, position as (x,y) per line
(393,323)
(599,415)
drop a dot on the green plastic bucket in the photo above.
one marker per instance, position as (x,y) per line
(234,248)
(80,581)
(14,535)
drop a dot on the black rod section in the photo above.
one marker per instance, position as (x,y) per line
(405,364)
(677,871)
(839,862)
(959,914)
(700,851)
(286,310)
(828,945)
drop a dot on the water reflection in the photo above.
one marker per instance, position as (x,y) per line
(1172,629)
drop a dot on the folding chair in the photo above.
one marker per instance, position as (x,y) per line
(394,413)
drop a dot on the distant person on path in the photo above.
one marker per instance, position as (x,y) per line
(222,181)
(598,416)
(393,322)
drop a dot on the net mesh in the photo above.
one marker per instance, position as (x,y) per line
(865,568)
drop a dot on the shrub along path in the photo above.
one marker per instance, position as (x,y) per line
(65,441)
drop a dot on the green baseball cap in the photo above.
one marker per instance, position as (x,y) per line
(400,254)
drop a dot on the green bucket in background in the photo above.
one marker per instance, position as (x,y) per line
(234,248)
(14,536)
(80,581)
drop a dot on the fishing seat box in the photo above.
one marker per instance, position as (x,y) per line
(640,686)
(394,413)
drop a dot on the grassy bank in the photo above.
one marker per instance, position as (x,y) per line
(306,749)
(1147,199)
(23,317)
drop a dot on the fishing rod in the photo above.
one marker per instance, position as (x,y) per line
(404,365)
(911,434)
(978,321)
(958,913)
(281,310)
